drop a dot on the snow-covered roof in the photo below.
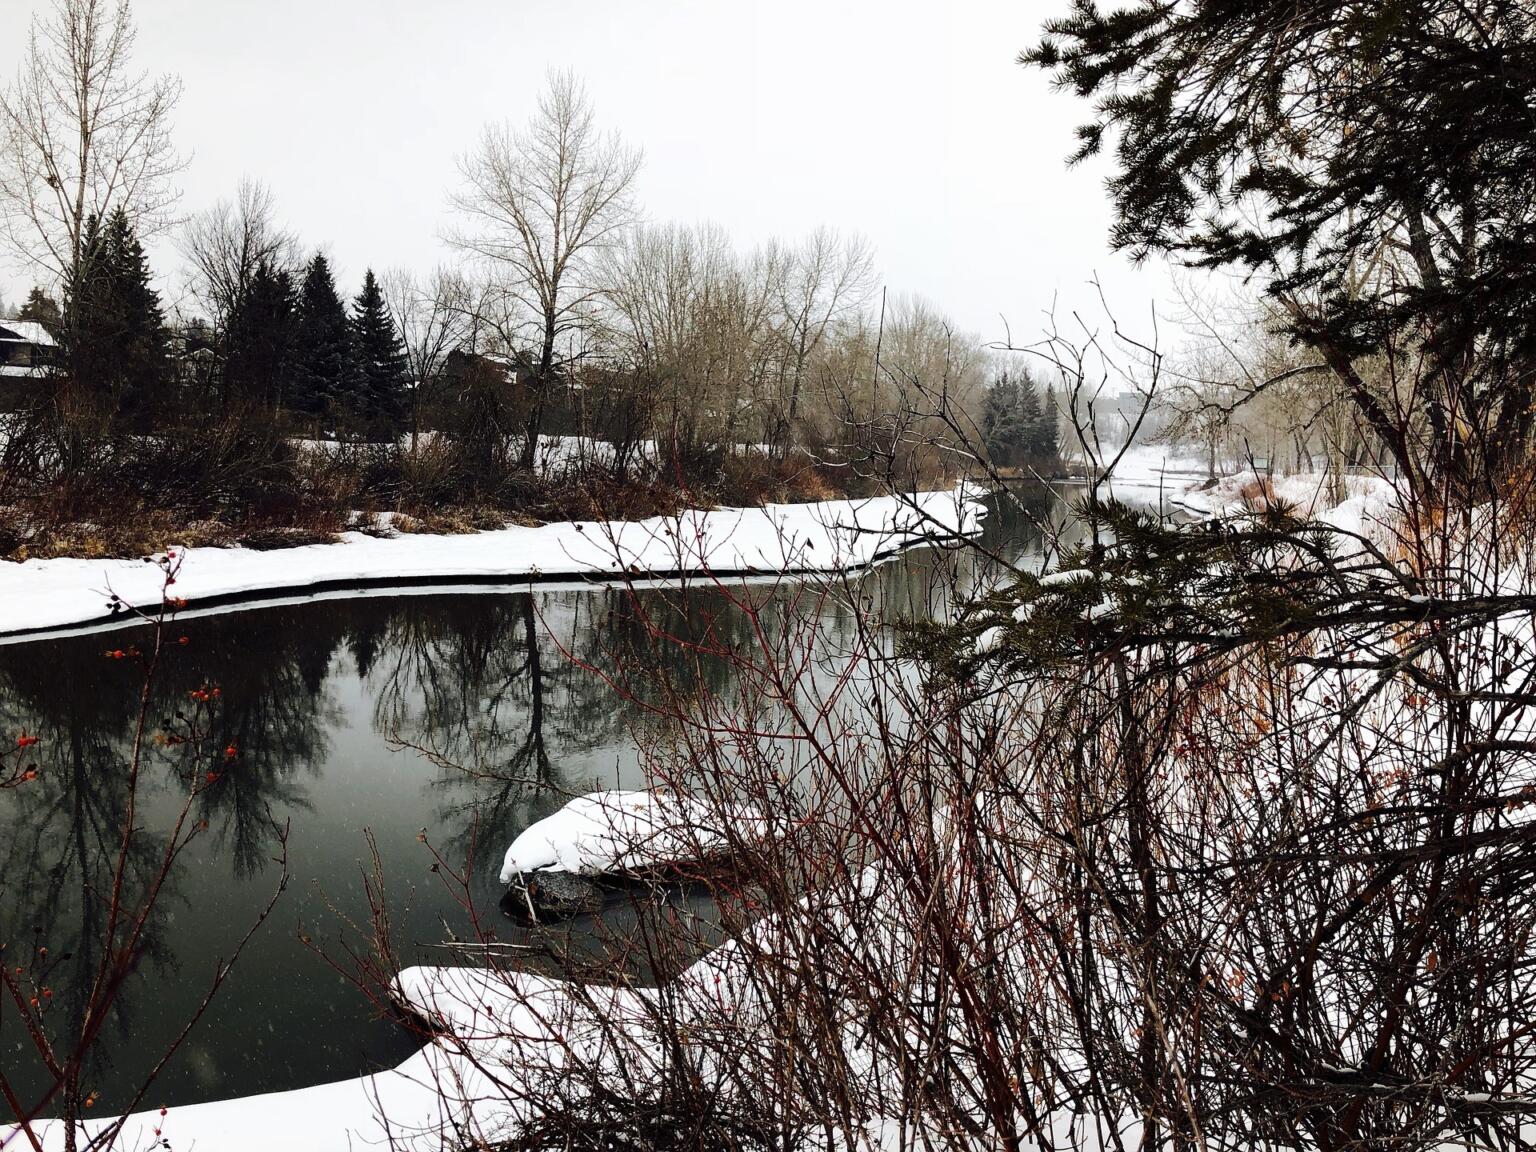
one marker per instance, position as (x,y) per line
(26,331)
(22,372)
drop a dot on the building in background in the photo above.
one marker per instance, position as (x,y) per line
(27,351)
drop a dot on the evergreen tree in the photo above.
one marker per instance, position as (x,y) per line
(1030,418)
(379,402)
(323,370)
(113,328)
(1304,144)
(999,421)
(261,337)
(1047,443)
(41,308)
(1019,428)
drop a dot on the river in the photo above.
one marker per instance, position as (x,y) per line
(329,705)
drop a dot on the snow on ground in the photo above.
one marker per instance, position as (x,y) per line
(555,456)
(1166,468)
(619,832)
(1355,503)
(441,1096)
(833,536)
(404,1108)
(1181,477)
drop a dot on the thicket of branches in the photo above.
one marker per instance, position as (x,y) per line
(1209,838)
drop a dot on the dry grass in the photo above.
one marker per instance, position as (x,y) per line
(239,483)
(456,521)
(137,530)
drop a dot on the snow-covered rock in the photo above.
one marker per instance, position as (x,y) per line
(623,832)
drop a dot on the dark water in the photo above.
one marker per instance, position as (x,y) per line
(324,702)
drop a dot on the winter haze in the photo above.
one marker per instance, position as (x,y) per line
(911,123)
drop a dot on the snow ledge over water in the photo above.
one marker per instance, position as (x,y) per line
(776,539)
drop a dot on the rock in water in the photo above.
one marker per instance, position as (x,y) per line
(553,895)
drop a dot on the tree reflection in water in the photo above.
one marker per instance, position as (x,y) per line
(61,834)
(319,700)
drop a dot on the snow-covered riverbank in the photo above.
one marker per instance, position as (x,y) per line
(794,539)
(483,1021)
(439,1098)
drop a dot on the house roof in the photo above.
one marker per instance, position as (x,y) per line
(27,332)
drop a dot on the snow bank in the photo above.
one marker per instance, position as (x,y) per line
(1367,505)
(833,536)
(1170,469)
(620,832)
(403,1103)
(440,1097)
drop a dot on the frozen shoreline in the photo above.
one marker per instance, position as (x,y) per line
(42,597)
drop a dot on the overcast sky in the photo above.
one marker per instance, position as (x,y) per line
(910,122)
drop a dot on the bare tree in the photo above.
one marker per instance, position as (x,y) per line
(694,319)
(825,279)
(541,201)
(434,319)
(82,135)
(226,243)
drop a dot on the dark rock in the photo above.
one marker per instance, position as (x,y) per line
(552,895)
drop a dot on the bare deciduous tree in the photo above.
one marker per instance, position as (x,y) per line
(433,319)
(225,244)
(820,282)
(695,319)
(541,201)
(83,135)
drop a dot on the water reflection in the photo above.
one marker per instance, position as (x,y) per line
(463,716)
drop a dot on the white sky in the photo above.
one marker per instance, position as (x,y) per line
(909,122)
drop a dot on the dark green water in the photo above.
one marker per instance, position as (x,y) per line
(323,701)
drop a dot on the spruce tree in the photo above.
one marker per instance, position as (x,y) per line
(1304,144)
(114,331)
(323,371)
(41,308)
(1019,426)
(999,421)
(261,337)
(379,402)
(1047,446)
(1031,417)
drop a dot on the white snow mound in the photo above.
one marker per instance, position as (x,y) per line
(622,831)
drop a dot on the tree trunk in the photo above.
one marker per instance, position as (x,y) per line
(541,381)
